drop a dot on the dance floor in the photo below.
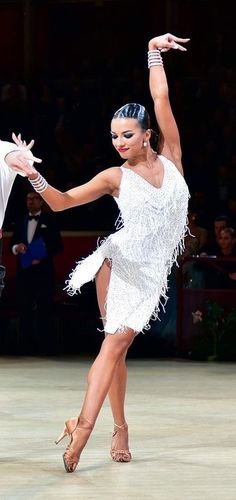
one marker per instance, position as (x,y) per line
(182,422)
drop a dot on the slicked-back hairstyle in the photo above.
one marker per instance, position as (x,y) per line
(136,111)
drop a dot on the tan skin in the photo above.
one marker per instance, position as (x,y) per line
(218,226)
(108,374)
(227,240)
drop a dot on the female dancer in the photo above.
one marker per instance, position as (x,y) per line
(131,266)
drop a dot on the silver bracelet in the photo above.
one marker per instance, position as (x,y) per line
(154,58)
(39,183)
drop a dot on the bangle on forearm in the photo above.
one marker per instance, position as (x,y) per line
(39,183)
(154,58)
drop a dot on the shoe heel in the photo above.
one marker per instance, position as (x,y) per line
(62,435)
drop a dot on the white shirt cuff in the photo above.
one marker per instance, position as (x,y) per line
(14,250)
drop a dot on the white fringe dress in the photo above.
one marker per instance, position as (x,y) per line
(150,232)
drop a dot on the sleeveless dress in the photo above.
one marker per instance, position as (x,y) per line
(150,233)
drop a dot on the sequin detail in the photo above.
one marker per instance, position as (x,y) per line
(149,237)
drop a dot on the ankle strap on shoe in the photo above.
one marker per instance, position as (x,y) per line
(86,420)
(120,426)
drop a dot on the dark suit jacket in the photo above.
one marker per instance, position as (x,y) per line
(47,230)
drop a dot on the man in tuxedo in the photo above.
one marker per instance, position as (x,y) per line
(35,240)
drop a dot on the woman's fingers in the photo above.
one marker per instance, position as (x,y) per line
(30,145)
(178,46)
(34,158)
(18,140)
(177,39)
(15,139)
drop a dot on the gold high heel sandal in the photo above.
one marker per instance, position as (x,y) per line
(71,457)
(120,455)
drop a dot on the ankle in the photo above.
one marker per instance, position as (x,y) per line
(85,423)
(123,426)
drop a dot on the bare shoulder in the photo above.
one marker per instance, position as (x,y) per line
(112,173)
(112,176)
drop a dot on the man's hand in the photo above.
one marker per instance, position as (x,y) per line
(20,248)
(20,143)
(22,160)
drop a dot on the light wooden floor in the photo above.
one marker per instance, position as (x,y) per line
(182,420)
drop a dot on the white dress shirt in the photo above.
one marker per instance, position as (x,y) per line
(32,224)
(7,175)
(31,228)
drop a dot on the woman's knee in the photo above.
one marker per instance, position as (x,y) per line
(116,345)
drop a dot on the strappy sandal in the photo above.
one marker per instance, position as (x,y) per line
(77,432)
(120,455)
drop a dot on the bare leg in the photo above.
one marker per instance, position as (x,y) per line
(101,373)
(100,378)
(117,388)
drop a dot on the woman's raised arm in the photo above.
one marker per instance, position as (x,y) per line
(170,140)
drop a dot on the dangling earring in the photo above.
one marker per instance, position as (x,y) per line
(145,144)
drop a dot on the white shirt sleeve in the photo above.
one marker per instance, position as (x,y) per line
(7,175)
(9,147)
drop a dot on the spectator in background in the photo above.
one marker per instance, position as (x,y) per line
(197,237)
(222,273)
(35,240)
(194,242)
(212,247)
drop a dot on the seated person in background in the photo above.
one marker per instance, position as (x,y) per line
(194,242)
(35,240)
(212,247)
(197,237)
(222,274)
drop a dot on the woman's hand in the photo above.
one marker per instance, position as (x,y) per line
(22,160)
(167,42)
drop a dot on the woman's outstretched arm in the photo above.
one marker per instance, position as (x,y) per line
(170,140)
(106,182)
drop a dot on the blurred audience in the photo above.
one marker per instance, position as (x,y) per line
(35,241)
(212,247)
(222,272)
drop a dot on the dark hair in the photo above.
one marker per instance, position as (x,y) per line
(136,111)
(139,113)
(220,218)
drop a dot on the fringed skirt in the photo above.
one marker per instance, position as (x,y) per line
(137,287)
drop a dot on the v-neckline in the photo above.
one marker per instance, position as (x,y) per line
(145,180)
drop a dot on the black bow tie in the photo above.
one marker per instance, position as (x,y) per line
(31,217)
